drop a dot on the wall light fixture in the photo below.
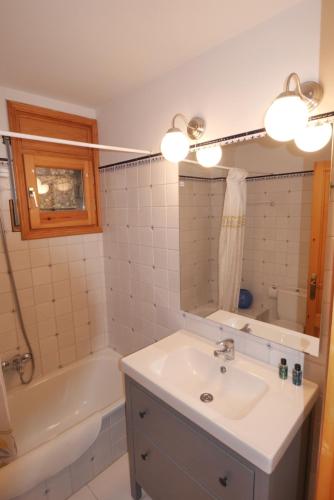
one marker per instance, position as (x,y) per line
(314,137)
(209,156)
(175,144)
(288,114)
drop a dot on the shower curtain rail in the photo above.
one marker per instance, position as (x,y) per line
(197,178)
(264,177)
(42,138)
(280,175)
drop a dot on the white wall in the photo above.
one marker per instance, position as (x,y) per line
(327,54)
(37,100)
(230,86)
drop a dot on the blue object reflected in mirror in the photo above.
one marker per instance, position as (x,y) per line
(245,298)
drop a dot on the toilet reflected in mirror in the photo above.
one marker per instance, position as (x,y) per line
(253,239)
(288,308)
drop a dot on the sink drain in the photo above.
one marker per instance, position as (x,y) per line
(206,397)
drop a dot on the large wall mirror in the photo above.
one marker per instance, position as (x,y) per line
(253,239)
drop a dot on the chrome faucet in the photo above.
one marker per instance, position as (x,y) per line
(226,349)
(246,328)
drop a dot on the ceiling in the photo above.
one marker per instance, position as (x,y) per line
(90,51)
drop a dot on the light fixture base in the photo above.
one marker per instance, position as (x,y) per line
(196,128)
(313,92)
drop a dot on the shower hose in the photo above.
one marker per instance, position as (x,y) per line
(17,307)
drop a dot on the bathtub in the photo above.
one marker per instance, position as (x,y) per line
(57,418)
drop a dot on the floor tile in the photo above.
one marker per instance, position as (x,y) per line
(111,484)
(114,482)
(83,494)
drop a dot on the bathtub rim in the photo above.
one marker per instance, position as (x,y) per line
(105,353)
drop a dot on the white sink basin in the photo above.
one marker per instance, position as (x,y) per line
(253,411)
(195,372)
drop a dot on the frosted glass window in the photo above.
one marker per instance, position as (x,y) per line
(60,189)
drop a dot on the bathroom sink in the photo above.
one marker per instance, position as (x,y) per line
(234,392)
(247,406)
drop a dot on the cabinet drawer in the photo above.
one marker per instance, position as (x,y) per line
(160,477)
(213,467)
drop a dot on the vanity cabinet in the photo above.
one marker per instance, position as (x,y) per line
(172,458)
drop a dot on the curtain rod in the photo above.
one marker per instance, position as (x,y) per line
(282,174)
(230,139)
(195,178)
(157,156)
(250,178)
(42,138)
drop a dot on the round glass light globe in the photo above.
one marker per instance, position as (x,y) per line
(209,157)
(286,117)
(314,137)
(174,146)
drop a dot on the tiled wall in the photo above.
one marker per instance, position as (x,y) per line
(277,237)
(278,228)
(141,247)
(107,448)
(61,289)
(201,204)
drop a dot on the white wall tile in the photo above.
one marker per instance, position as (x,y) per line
(23,279)
(20,260)
(51,275)
(157,287)
(60,272)
(43,293)
(40,257)
(41,275)
(58,254)
(6,302)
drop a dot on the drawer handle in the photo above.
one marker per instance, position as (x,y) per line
(223,481)
(142,413)
(144,456)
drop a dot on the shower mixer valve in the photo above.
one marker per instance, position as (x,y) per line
(17,362)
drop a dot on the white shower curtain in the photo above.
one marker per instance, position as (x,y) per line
(231,241)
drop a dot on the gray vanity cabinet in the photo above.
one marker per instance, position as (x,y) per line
(174,459)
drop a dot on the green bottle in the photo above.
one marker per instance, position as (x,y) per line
(297,375)
(283,369)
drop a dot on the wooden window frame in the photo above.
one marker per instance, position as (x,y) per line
(59,218)
(35,120)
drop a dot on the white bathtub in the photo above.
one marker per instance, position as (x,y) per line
(57,418)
